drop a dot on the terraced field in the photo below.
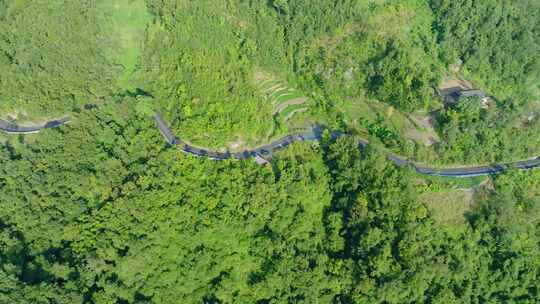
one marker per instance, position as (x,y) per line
(286,101)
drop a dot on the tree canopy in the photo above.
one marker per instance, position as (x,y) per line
(102,210)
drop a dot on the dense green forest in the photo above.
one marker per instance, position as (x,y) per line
(497,42)
(355,61)
(118,218)
(51,57)
(102,211)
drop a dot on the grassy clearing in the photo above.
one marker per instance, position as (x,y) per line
(449,199)
(366,116)
(395,118)
(126,22)
(449,207)
(357,109)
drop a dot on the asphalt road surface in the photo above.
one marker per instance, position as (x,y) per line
(265,151)
(315,134)
(12,128)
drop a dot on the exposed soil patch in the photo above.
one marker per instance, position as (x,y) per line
(455,82)
(423,130)
(237,145)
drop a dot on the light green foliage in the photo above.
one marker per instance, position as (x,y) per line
(202,73)
(200,70)
(404,68)
(51,63)
(102,211)
(126,21)
(287,104)
(278,93)
(58,55)
(145,106)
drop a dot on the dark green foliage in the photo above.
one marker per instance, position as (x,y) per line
(382,132)
(498,44)
(477,134)
(399,255)
(102,211)
(496,40)
(119,219)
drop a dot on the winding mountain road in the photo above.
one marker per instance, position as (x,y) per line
(315,134)
(12,128)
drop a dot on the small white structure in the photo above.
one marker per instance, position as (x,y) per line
(260,160)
